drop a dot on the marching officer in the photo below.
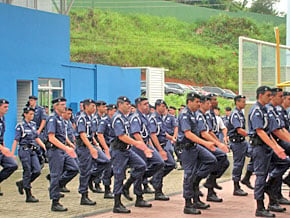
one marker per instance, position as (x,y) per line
(7,161)
(61,161)
(25,135)
(197,161)
(263,146)
(123,155)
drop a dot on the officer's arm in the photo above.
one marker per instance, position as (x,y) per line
(14,146)
(281,134)
(38,140)
(5,151)
(156,141)
(52,139)
(126,139)
(192,137)
(103,141)
(170,137)
(175,132)
(210,136)
(42,125)
(85,140)
(242,132)
(263,135)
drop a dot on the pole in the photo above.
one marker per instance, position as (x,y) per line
(278,54)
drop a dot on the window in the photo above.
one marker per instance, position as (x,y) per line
(49,89)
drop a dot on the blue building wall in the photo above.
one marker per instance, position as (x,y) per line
(35,44)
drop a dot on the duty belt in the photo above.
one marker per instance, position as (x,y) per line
(31,146)
(117,144)
(237,139)
(256,141)
(186,146)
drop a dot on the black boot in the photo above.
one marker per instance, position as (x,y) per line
(56,206)
(261,211)
(211,196)
(147,189)
(246,180)
(287,180)
(86,201)
(189,208)
(91,185)
(1,193)
(283,201)
(62,188)
(118,206)
(48,177)
(29,197)
(269,187)
(198,204)
(159,195)
(108,194)
(126,188)
(98,188)
(238,191)
(275,207)
(20,187)
(140,202)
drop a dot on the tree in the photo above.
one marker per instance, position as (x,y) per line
(264,6)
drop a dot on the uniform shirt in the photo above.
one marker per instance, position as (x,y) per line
(139,123)
(274,119)
(39,115)
(69,130)
(226,120)
(258,119)
(120,124)
(55,124)
(170,123)
(105,127)
(85,124)
(157,126)
(211,121)
(2,129)
(25,133)
(77,116)
(201,122)
(283,116)
(236,120)
(186,121)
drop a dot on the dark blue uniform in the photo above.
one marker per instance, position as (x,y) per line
(238,144)
(70,132)
(84,124)
(196,160)
(39,115)
(26,134)
(123,155)
(170,123)
(8,164)
(157,126)
(63,168)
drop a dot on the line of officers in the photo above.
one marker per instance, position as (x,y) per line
(101,146)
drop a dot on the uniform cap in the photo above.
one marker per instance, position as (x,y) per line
(159,102)
(264,89)
(111,106)
(57,100)
(32,97)
(4,101)
(286,93)
(88,101)
(172,107)
(27,109)
(124,99)
(276,90)
(238,97)
(99,103)
(140,99)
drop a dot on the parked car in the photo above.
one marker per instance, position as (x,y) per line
(229,93)
(200,91)
(214,90)
(180,86)
(167,90)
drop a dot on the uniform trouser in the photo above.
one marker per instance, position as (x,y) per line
(250,166)
(106,176)
(63,169)
(239,156)
(222,162)
(30,164)
(8,164)
(90,167)
(157,179)
(120,160)
(261,159)
(197,161)
(154,164)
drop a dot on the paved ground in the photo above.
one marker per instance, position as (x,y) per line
(12,204)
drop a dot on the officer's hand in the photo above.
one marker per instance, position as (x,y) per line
(71,152)
(148,152)
(94,153)
(210,146)
(38,132)
(226,140)
(173,140)
(6,152)
(107,152)
(280,152)
(163,154)
(224,148)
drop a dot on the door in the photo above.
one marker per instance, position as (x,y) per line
(24,90)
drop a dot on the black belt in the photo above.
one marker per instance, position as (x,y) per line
(31,146)
(237,139)
(117,144)
(188,145)
(256,141)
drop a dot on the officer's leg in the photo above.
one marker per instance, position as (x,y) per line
(239,155)
(71,169)
(250,168)
(36,168)
(8,164)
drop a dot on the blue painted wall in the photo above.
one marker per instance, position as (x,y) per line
(36,44)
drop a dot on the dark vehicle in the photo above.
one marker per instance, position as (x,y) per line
(143,87)
(167,90)
(180,86)
(229,93)
(218,91)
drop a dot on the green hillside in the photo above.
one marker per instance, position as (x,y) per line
(163,8)
(204,53)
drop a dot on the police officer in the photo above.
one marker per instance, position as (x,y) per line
(172,111)
(123,155)
(81,110)
(171,125)
(197,161)
(62,166)
(25,135)
(238,144)
(140,130)
(263,146)
(7,161)
(207,131)
(160,138)
(106,136)
(226,117)
(88,155)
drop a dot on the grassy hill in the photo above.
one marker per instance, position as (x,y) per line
(161,8)
(201,52)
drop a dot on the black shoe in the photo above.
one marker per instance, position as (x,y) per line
(126,194)
(191,210)
(201,205)
(121,209)
(148,190)
(31,199)
(109,195)
(142,203)
(48,177)
(98,188)
(276,208)
(216,186)
(63,189)
(86,201)
(58,207)
(214,198)
(161,197)
(283,201)
(91,186)
(200,193)
(264,213)
(240,192)
(247,183)
(1,193)
(19,184)
(61,195)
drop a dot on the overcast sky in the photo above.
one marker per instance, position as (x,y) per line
(281,7)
